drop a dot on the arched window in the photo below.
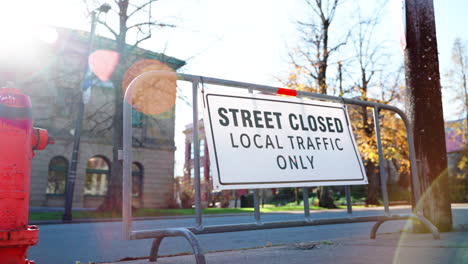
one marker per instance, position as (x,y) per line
(97,176)
(58,170)
(137,179)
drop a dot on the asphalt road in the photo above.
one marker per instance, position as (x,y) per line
(67,243)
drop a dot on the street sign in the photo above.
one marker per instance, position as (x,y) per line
(265,141)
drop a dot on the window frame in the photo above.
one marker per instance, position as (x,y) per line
(52,168)
(93,171)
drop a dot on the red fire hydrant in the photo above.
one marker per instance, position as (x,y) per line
(18,139)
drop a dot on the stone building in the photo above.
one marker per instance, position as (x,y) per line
(53,81)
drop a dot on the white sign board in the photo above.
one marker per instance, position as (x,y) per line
(263,141)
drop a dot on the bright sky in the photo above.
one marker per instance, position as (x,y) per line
(243,40)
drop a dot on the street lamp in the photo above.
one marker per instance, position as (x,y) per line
(86,84)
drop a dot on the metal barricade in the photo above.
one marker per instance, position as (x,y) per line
(190,232)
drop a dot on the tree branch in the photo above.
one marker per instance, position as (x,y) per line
(108,28)
(141,40)
(154,23)
(141,7)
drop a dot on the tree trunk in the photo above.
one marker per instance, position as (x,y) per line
(425,112)
(113,199)
(325,199)
(296,196)
(373,185)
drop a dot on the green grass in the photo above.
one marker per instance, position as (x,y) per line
(268,208)
(148,212)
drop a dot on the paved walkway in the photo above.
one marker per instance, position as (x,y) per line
(387,248)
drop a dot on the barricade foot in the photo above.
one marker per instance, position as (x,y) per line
(172,232)
(376,226)
(420,218)
(153,257)
(428,224)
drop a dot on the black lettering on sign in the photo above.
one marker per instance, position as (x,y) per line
(224,121)
(311,161)
(255,141)
(294,162)
(330,124)
(246,118)
(245,140)
(268,119)
(291,140)
(336,144)
(338,125)
(322,125)
(293,126)
(312,123)
(300,142)
(234,115)
(232,142)
(278,119)
(277,143)
(258,119)
(269,142)
(281,162)
(310,144)
(303,127)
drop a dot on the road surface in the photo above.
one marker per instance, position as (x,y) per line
(67,243)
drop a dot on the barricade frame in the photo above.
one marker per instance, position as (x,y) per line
(190,232)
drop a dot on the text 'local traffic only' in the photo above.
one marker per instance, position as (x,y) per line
(260,141)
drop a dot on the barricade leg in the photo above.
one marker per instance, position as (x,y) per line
(153,257)
(172,232)
(422,219)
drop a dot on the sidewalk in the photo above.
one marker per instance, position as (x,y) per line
(387,248)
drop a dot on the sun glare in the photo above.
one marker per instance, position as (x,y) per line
(47,34)
(22,37)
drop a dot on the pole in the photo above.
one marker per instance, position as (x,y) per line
(70,187)
(425,112)
(196,157)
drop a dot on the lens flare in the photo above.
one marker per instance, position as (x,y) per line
(103,63)
(152,93)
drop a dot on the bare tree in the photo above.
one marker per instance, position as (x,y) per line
(134,18)
(312,58)
(457,75)
(456,84)
(367,55)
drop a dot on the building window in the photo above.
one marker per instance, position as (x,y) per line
(202,174)
(137,179)
(202,147)
(192,151)
(58,170)
(97,176)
